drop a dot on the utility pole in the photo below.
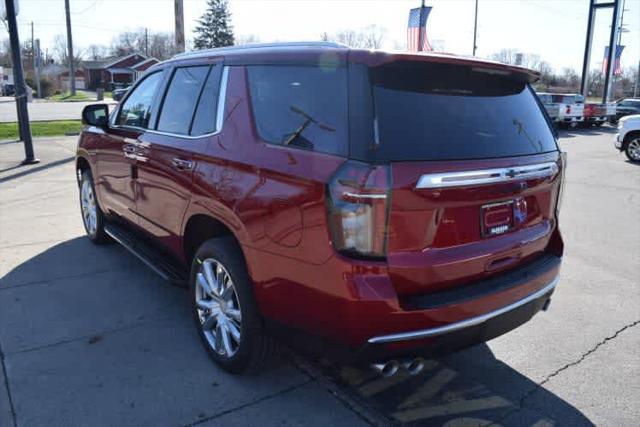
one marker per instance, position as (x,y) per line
(475,30)
(37,67)
(18,76)
(72,68)
(33,51)
(179,26)
(146,41)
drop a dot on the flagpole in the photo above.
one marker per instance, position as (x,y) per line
(420,28)
(475,29)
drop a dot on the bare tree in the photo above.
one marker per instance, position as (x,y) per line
(371,37)
(61,54)
(247,39)
(128,42)
(161,46)
(96,51)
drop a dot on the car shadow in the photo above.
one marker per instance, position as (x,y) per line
(468,388)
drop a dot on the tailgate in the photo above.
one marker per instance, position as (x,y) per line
(455,222)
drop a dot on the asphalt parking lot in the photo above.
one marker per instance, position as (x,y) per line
(90,336)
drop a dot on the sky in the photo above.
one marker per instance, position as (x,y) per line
(553,29)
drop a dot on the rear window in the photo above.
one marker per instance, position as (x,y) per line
(445,112)
(301,106)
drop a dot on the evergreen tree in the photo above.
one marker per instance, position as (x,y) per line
(214,26)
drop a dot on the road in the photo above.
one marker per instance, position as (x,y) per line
(89,336)
(43,110)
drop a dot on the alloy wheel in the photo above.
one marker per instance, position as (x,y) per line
(634,149)
(88,205)
(218,308)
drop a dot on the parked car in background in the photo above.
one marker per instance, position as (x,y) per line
(8,90)
(625,107)
(571,108)
(596,114)
(628,137)
(118,94)
(377,207)
(552,108)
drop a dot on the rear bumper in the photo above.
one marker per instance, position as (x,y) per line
(572,119)
(440,341)
(545,292)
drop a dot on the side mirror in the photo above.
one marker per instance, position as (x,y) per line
(96,115)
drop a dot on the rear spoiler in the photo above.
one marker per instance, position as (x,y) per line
(377,58)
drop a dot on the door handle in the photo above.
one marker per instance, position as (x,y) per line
(130,151)
(181,164)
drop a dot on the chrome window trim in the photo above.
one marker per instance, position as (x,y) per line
(487,176)
(222,99)
(467,323)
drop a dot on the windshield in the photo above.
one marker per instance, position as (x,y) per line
(444,112)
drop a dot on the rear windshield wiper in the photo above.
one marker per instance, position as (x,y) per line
(304,125)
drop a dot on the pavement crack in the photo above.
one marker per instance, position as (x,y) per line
(12,408)
(251,403)
(539,385)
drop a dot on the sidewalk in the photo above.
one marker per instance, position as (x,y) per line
(90,336)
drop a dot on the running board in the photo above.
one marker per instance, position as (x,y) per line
(170,271)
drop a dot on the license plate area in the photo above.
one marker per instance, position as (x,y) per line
(496,218)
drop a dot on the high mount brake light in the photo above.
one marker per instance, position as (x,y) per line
(358,209)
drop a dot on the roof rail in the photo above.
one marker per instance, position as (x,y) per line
(205,52)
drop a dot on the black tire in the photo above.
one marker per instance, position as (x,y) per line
(97,236)
(631,147)
(255,347)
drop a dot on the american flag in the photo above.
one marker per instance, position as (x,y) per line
(617,68)
(417,29)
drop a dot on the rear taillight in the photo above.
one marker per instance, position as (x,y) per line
(563,179)
(358,208)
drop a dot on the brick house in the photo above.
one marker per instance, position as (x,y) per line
(113,72)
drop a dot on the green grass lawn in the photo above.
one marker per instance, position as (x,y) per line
(52,128)
(66,96)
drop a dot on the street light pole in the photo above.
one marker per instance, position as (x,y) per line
(21,90)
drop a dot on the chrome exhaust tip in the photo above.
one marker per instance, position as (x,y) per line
(415,366)
(387,369)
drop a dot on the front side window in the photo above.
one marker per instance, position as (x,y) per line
(136,109)
(181,98)
(301,106)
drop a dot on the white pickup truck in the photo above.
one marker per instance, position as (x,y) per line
(628,137)
(571,108)
(553,108)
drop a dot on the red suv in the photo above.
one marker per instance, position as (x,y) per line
(376,206)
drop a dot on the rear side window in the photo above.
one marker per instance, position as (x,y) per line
(204,121)
(300,106)
(181,98)
(136,109)
(448,112)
